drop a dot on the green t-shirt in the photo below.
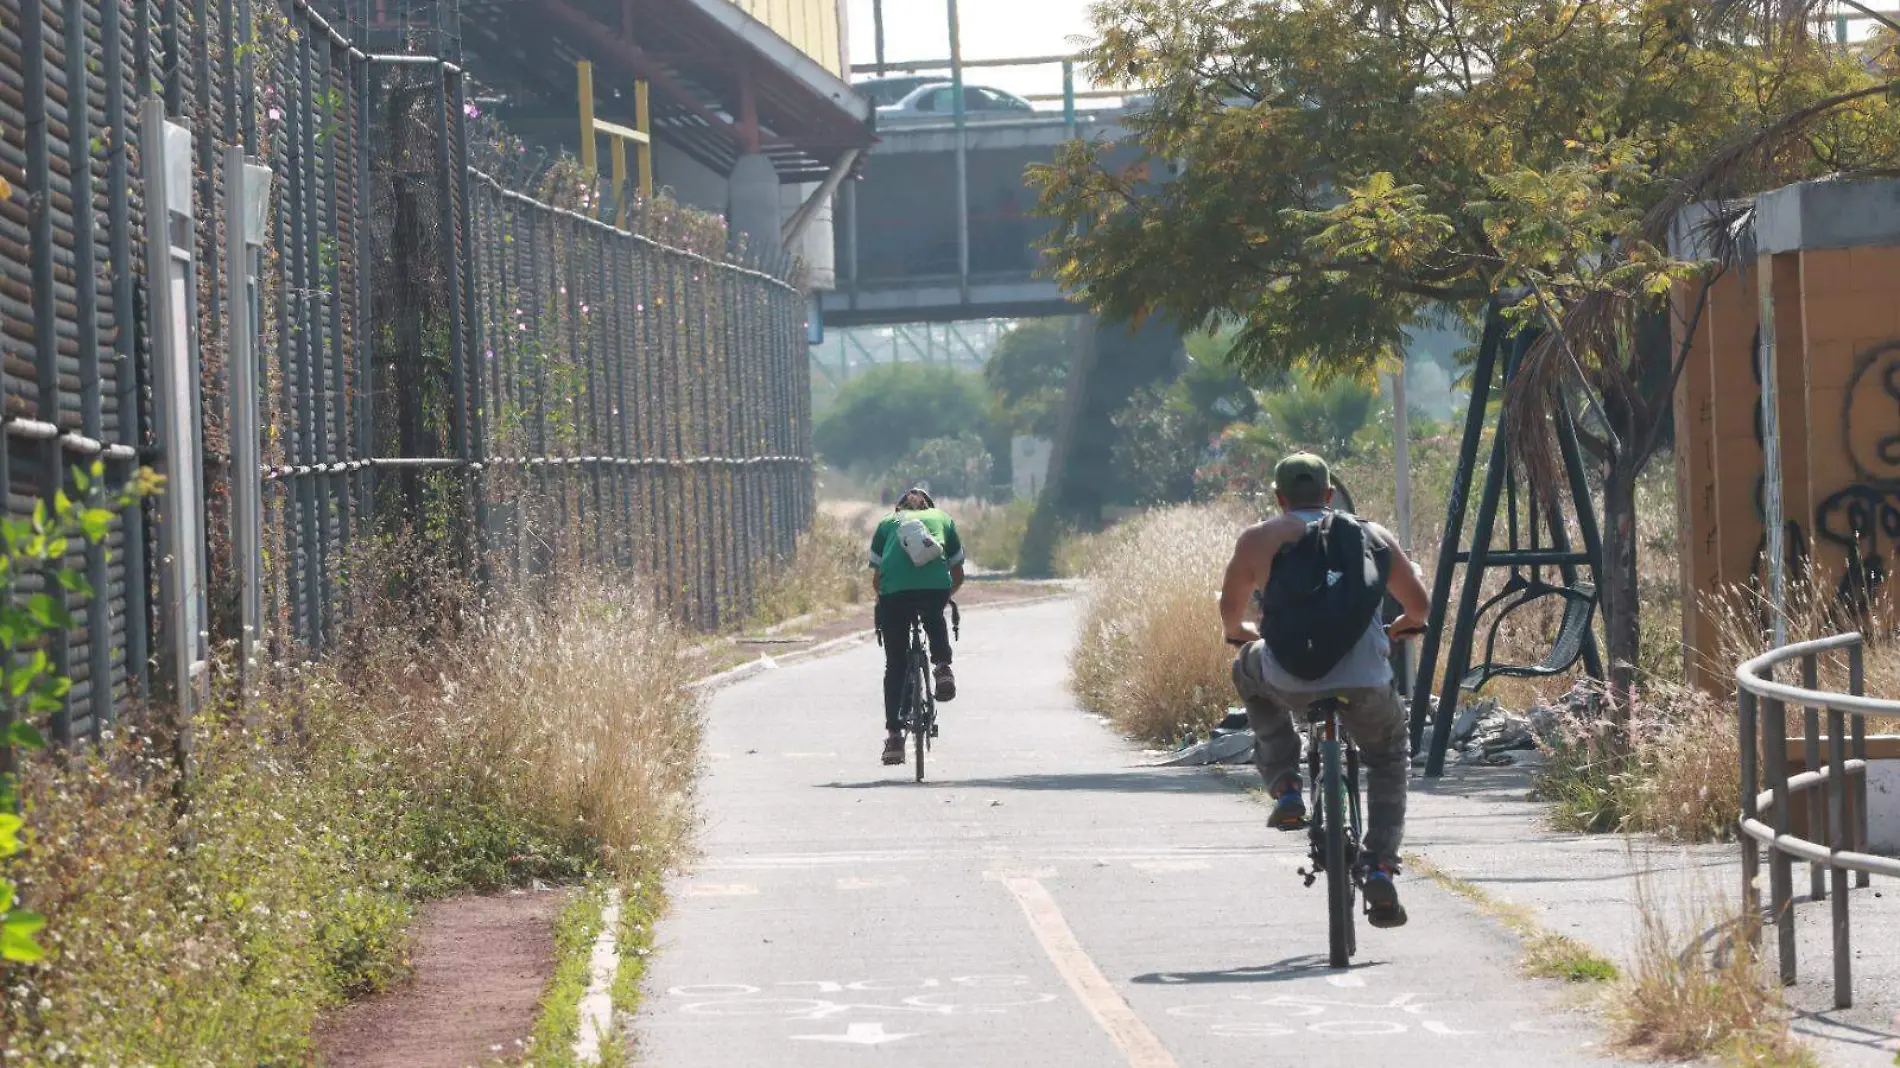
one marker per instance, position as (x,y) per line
(896,573)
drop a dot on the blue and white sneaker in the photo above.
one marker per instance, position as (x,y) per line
(1289,811)
(1382,897)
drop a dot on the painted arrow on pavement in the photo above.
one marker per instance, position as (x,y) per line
(858,1034)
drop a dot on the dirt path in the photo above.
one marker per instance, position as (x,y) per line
(480,966)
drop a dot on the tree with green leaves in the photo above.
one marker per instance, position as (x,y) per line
(1026,373)
(1349,169)
(884,413)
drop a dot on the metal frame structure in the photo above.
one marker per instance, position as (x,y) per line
(1763,723)
(1480,558)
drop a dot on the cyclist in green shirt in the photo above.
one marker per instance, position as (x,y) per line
(917,563)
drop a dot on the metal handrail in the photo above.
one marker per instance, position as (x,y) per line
(1763,726)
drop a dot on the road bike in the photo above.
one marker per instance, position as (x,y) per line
(918,713)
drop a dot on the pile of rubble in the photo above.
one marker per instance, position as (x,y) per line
(1484,733)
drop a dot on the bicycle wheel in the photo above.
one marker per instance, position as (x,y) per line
(920,736)
(1338,867)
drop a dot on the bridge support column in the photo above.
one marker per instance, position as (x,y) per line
(752,205)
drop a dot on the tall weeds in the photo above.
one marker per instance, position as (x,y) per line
(1697,990)
(829,570)
(208,918)
(1150,655)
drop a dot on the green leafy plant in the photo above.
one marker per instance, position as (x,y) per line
(35,548)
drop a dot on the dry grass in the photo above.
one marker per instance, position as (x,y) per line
(209,920)
(1698,990)
(828,571)
(1677,780)
(1150,655)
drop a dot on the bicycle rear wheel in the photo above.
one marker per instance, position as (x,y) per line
(920,733)
(1340,940)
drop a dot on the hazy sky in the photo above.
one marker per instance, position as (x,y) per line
(992,29)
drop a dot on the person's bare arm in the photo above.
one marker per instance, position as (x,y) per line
(1409,590)
(1246,572)
(956,579)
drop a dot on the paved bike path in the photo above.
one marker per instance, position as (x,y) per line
(1039,901)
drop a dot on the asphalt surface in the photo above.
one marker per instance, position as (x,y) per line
(1040,900)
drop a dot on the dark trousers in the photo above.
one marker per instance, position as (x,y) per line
(894,613)
(1378,727)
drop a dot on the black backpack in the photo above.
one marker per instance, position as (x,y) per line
(1324,592)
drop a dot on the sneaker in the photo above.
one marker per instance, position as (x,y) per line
(946,683)
(1289,811)
(1382,898)
(893,749)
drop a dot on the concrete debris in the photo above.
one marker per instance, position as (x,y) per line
(1230,742)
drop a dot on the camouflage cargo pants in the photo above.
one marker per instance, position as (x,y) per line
(1372,717)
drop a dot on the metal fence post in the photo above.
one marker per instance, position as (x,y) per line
(246,198)
(1780,871)
(1857,686)
(1747,722)
(1838,839)
(165,150)
(1811,761)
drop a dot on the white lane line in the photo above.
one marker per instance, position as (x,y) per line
(721,890)
(1163,866)
(597,1004)
(1091,987)
(1006,874)
(879,882)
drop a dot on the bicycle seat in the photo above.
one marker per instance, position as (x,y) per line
(1317,710)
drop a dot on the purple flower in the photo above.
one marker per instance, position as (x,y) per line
(276,115)
(471,110)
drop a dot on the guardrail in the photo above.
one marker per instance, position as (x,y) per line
(1764,735)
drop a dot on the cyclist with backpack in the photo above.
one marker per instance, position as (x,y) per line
(917,564)
(1325,575)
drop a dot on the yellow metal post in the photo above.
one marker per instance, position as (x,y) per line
(617,147)
(586,94)
(643,153)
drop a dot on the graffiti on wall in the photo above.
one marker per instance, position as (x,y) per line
(1863,519)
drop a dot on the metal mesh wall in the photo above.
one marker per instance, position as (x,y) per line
(532,390)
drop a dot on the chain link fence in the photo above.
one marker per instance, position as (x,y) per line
(403,349)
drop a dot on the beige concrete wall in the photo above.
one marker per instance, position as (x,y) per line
(1837,328)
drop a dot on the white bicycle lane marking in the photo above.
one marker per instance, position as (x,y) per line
(969,995)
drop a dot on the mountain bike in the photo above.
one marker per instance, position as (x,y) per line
(918,713)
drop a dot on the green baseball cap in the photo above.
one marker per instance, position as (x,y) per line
(1302,476)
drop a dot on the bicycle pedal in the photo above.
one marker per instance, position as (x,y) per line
(933,730)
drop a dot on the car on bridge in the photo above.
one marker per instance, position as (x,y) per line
(935,102)
(884,92)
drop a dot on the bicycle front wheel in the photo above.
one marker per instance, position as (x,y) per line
(1340,941)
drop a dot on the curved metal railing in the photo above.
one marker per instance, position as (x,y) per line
(1842,776)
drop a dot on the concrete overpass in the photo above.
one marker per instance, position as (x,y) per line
(907,254)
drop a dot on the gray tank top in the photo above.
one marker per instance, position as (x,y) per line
(1368,665)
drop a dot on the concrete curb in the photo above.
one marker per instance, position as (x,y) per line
(766,662)
(597,1003)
